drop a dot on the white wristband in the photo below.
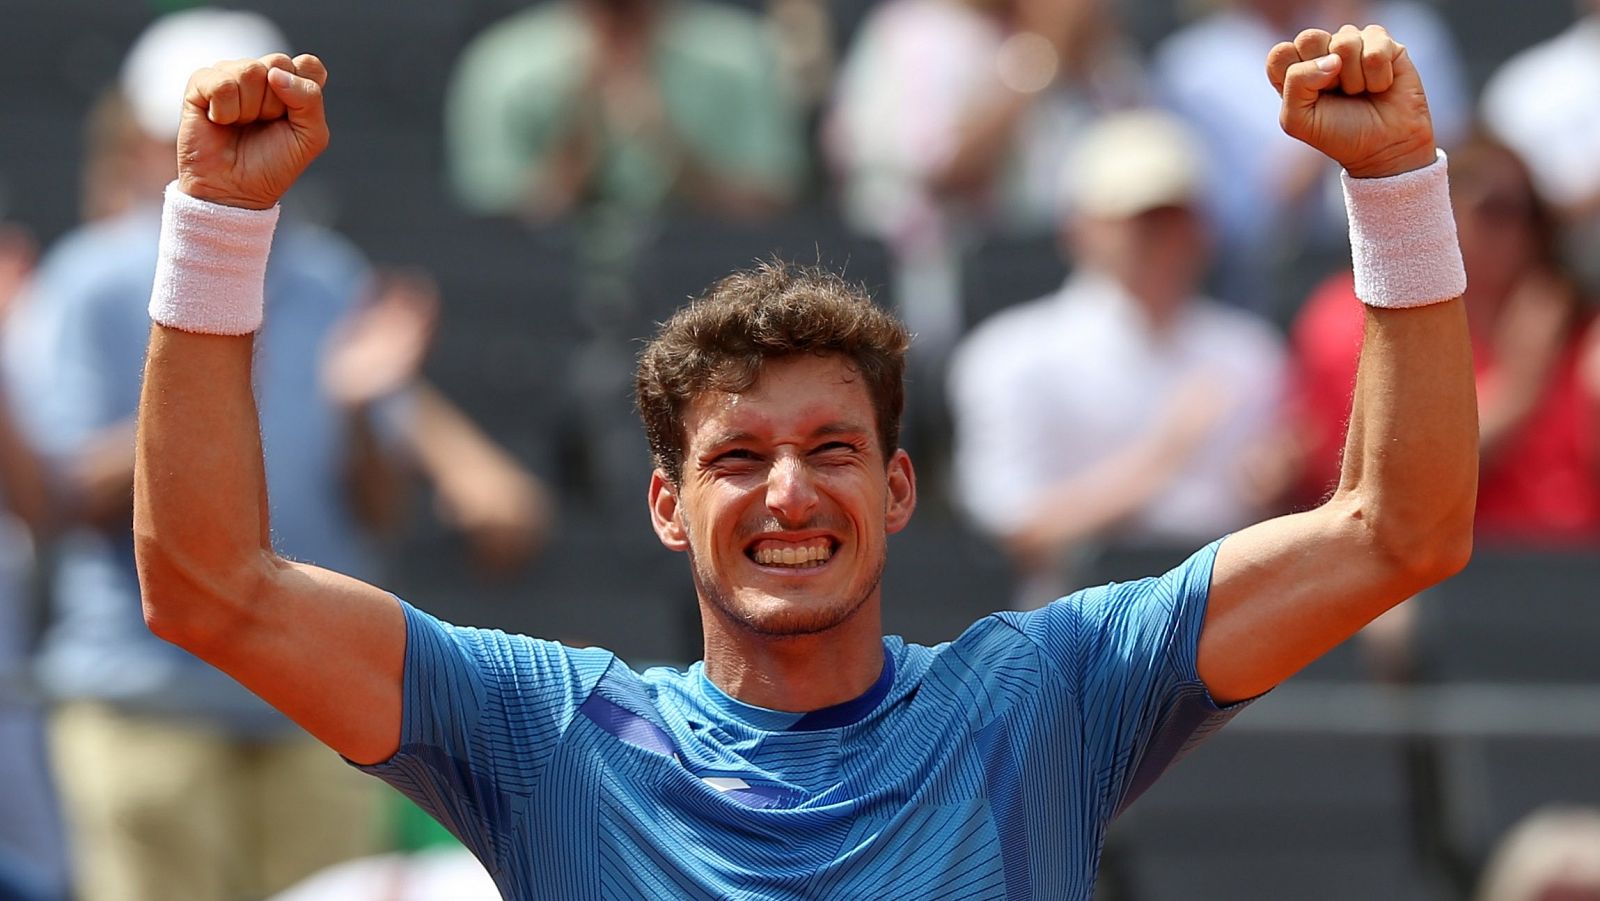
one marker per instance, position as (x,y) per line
(212,265)
(1403,237)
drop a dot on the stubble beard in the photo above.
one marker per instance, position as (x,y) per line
(791,621)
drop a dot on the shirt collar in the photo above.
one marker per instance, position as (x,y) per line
(835,716)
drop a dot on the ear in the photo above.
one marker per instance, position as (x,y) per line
(902,492)
(664,513)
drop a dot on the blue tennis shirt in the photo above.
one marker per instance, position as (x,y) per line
(985,767)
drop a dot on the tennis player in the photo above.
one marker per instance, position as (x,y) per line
(808,755)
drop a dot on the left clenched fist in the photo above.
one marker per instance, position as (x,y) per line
(1355,96)
(250,127)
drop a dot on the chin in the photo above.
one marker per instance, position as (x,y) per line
(777,617)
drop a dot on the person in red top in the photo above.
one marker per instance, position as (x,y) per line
(1536,352)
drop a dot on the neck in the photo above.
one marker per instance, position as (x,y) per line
(799,673)
(1158,305)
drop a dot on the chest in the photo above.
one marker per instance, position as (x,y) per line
(906,810)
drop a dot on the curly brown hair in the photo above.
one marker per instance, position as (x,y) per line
(720,341)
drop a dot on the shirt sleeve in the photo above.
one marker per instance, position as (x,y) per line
(482,713)
(1129,652)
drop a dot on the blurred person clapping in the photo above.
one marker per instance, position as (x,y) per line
(626,104)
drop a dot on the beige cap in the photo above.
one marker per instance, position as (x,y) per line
(1128,163)
(158,67)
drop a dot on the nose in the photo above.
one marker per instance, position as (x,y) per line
(791,493)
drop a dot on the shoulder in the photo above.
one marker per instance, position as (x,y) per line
(1115,619)
(991,660)
(505,664)
(100,257)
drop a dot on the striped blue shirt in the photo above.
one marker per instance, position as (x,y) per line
(985,767)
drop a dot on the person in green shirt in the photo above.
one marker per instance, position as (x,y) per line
(634,104)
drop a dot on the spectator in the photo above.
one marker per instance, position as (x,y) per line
(1553,855)
(623,103)
(33,855)
(1545,103)
(1126,407)
(1266,193)
(1539,412)
(180,784)
(953,115)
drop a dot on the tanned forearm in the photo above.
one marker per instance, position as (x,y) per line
(1411,462)
(200,503)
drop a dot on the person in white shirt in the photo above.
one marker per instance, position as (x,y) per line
(1545,103)
(1125,407)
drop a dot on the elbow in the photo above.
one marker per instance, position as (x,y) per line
(1421,550)
(190,605)
(1441,556)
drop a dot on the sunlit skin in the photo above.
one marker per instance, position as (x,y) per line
(793,462)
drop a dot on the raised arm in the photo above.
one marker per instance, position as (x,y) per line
(1285,591)
(325,649)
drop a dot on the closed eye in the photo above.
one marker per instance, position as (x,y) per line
(835,449)
(735,454)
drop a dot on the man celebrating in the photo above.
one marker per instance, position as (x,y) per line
(808,755)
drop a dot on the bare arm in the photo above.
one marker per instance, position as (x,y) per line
(1285,591)
(1087,503)
(325,649)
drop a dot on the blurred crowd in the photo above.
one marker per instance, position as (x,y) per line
(1186,368)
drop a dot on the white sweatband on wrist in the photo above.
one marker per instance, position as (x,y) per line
(212,265)
(1403,237)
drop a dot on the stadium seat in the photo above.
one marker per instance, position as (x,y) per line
(1253,815)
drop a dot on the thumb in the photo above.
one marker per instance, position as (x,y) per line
(1304,83)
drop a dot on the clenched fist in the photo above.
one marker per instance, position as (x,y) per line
(1356,97)
(250,127)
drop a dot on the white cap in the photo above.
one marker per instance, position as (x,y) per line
(157,69)
(1132,162)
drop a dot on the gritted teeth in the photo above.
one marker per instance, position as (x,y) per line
(770,552)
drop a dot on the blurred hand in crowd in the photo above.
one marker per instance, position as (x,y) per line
(379,348)
(479,489)
(17,255)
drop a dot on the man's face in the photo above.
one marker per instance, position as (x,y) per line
(786,501)
(1159,252)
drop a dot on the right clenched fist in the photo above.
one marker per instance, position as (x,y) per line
(250,127)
